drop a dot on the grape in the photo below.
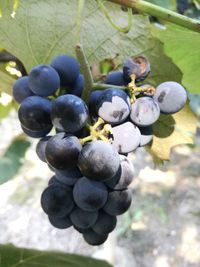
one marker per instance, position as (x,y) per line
(118,202)
(36,134)
(69,113)
(90,195)
(182,6)
(92,103)
(21,89)
(68,177)
(62,151)
(145,111)
(43,80)
(83,219)
(105,224)
(56,200)
(40,148)
(60,223)
(34,113)
(67,68)
(139,66)
(126,137)
(115,78)
(146,135)
(98,160)
(78,87)
(124,175)
(171,97)
(94,239)
(113,106)
(53,180)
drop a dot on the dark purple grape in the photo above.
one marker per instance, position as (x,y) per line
(105,223)
(115,78)
(41,147)
(94,239)
(60,223)
(21,89)
(68,177)
(146,135)
(83,219)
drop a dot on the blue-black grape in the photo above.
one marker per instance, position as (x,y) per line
(57,200)
(115,78)
(41,147)
(68,177)
(139,66)
(113,106)
(105,223)
(69,113)
(89,195)
(21,89)
(60,223)
(36,134)
(145,111)
(93,103)
(53,180)
(77,88)
(146,135)
(94,239)
(126,137)
(62,151)
(171,97)
(124,175)
(43,80)
(68,69)
(98,160)
(118,202)
(34,113)
(83,219)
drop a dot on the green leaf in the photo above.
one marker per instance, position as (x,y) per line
(41,30)
(183,46)
(169,4)
(173,130)
(5,110)
(11,256)
(11,161)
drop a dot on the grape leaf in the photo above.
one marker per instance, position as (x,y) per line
(172,130)
(10,162)
(183,46)
(12,256)
(43,29)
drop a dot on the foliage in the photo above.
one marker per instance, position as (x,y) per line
(12,256)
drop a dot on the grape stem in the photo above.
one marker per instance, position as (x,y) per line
(96,133)
(145,7)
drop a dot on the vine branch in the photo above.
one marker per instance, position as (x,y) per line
(160,12)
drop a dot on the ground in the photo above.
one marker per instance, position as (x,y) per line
(162,228)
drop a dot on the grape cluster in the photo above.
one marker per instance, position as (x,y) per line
(92,173)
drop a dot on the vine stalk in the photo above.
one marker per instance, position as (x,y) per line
(145,7)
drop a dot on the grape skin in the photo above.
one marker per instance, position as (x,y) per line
(69,113)
(36,134)
(34,113)
(94,239)
(78,87)
(98,160)
(62,151)
(43,80)
(21,89)
(118,202)
(113,106)
(171,97)
(145,111)
(105,224)
(89,195)
(146,135)
(68,177)
(126,137)
(124,175)
(56,200)
(41,147)
(83,219)
(115,78)
(67,68)
(60,223)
